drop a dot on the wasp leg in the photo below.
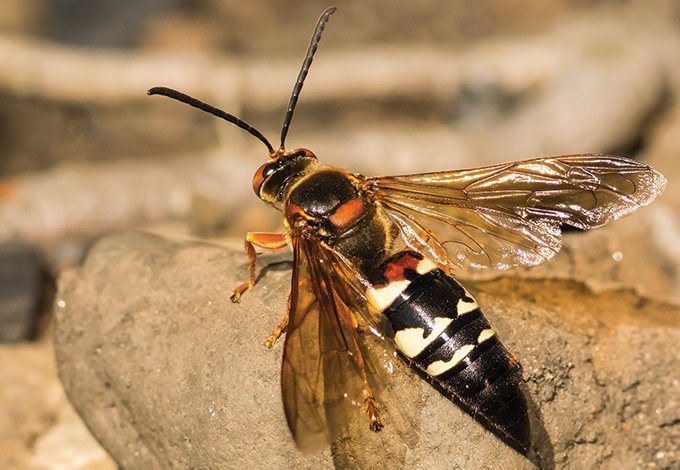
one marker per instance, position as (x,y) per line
(375,423)
(268,241)
(269,342)
(514,362)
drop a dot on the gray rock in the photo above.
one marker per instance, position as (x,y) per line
(168,373)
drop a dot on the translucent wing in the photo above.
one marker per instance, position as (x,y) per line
(323,376)
(510,214)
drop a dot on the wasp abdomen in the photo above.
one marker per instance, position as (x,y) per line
(439,326)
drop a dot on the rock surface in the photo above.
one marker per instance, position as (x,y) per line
(168,373)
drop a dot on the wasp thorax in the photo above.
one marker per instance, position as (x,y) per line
(273,180)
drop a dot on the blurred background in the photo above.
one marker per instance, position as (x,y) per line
(426,85)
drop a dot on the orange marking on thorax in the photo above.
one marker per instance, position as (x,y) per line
(348,212)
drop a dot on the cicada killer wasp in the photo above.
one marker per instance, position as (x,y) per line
(380,252)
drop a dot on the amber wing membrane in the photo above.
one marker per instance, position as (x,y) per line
(323,376)
(510,214)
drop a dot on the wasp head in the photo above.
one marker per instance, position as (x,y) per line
(273,180)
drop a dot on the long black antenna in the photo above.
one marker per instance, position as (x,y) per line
(314,43)
(179,96)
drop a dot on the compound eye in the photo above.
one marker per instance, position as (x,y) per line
(269,169)
(264,172)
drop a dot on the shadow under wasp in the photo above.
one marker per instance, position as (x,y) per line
(379,252)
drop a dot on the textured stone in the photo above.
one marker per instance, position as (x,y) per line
(168,373)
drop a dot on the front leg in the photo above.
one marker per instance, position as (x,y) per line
(266,240)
